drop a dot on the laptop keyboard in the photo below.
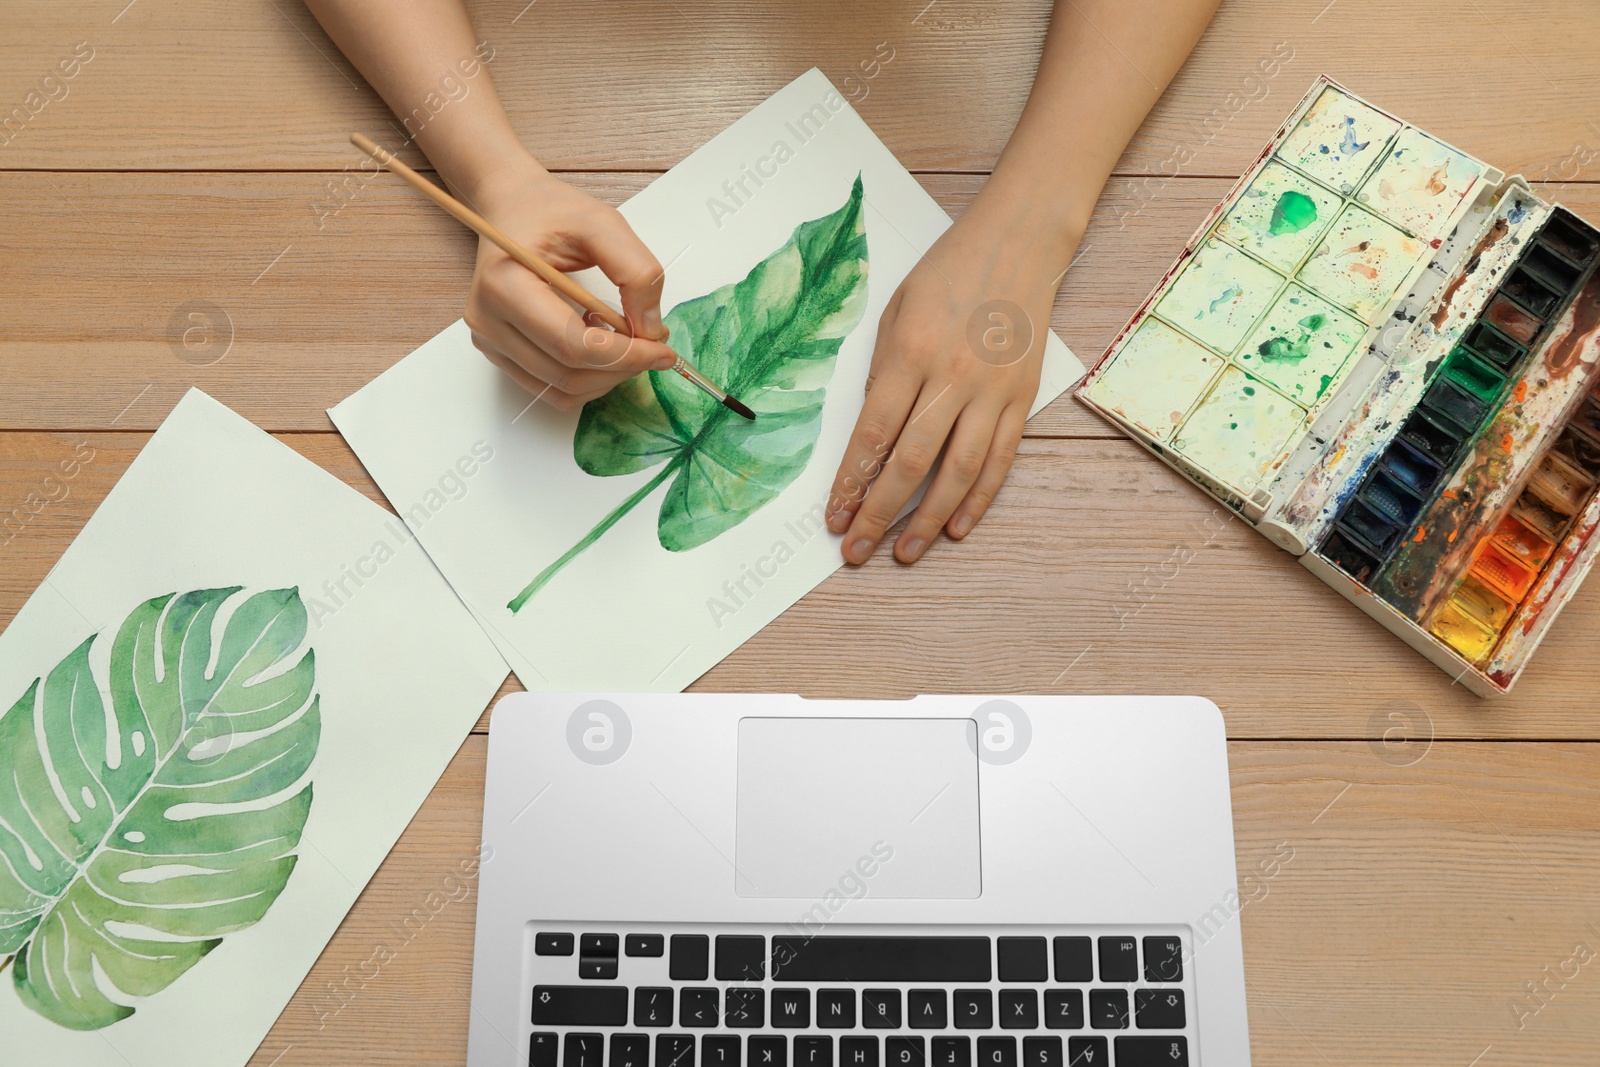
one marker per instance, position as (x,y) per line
(747,995)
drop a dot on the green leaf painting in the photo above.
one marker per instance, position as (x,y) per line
(769,340)
(134,836)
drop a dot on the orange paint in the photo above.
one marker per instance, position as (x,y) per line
(1368,272)
(1421,533)
(1449,494)
(1506,443)
(1452,538)
(1521,391)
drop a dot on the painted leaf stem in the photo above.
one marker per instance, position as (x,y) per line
(770,339)
(134,838)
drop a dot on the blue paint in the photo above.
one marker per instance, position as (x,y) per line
(1350,146)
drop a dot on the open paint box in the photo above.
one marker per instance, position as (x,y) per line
(1385,355)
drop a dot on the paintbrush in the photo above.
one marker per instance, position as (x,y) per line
(552,277)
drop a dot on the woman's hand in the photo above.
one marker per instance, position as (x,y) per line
(956,367)
(529,330)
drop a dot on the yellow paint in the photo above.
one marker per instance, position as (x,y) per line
(1469,637)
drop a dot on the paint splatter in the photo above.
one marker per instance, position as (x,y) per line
(1350,146)
(1293,213)
(1287,350)
(1366,270)
(1232,292)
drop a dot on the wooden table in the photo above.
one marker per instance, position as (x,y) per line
(1446,850)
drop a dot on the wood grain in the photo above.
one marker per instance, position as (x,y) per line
(1097,570)
(1415,902)
(207,84)
(101,270)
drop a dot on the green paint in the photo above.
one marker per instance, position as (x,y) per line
(1285,350)
(769,339)
(104,858)
(1293,213)
(1327,380)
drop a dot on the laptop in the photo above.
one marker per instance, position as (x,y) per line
(721,880)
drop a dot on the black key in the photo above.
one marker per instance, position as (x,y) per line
(690,961)
(974,1009)
(552,944)
(1163,959)
(597,966)
(905,1052)
(881,959)
(791,1008)
(858,1052)
(952,1052)
(1063,1009)
(652,1006)
(997,1052)
(1158,1009)
(1074,959)
(1108,1009)
(598,945)
(1119,959)
(836,1009)
(927,1007)
(720,1050)
(542,1048)
(1022,959)
(768,1051)
(813,1052)
(674,1050)
(1152,1052)
(1087,1052)
(630,1050)
(880,1009)
(1040,1052)
(1019,1009)
(580,1005)
(744,1008)
(741,957)
(697,1007)
(582,1050)
(644,945)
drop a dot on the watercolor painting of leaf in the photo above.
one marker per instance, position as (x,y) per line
(770,340)
(134,837)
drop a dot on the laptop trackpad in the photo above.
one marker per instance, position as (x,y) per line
(856,807)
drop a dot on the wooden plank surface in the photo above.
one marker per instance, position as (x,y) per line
(1415,903)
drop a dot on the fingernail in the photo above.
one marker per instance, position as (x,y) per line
(652,322)
(665,362)
(839,521)
(860,549)
(962,526)
(913,547)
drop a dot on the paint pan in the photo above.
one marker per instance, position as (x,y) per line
(1157,379)
(1474,375)
(1570,238)
(1493,345)
(1555,270)
(1280,216)
(1361,262)
(1523,542)
(1438,439)
(1420,184)
(1347,551)
(1301,346)
(1338,140)
(1540,517)
(1504,573)
(1482,603)
(1411,468)
(1374,527)
(1512,320)
(1219,295)
(1239,430)
(1559,485)
(1587,417)
(1579,450)
(1384,493)
(1469,637)
(1532,292)
(1454,404)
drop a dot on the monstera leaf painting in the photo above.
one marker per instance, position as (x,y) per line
(134,837)
(769,340)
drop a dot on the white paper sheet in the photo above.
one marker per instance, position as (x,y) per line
(401,674)
(628,614)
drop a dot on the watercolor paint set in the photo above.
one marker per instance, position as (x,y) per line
(1385,355)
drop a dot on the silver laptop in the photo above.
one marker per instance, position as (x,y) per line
(708,880)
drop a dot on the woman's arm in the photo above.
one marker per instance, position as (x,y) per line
(411,50)
(1105,63)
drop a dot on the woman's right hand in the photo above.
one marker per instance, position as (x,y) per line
(529,330)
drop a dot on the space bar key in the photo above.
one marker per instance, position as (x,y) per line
(573,1005)
(851,958)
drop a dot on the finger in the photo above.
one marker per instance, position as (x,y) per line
(964,457)
(550,324)
(909,462)
(633,269)
(1002,452)
(883,415)
(510,342)
(541,390)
